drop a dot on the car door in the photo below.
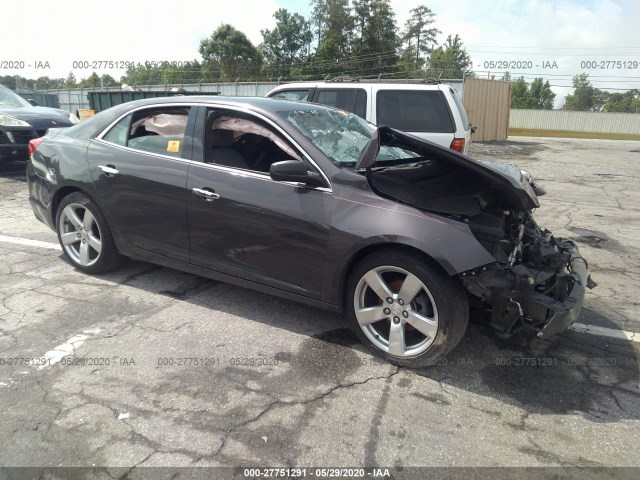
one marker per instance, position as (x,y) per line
(139,168)
(243,223)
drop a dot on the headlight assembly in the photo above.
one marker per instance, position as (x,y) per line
(7,121)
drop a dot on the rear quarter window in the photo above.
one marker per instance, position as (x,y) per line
(292,95)
(414,110)
(354,101)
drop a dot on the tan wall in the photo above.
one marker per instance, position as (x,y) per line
(487,103)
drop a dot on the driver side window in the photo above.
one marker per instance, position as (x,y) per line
(239,141)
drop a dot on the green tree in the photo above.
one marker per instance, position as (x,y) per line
(43,83)
(450,60)
(419,36)
(519,94)
(70,81)
(376,34)
(163,73)
(538,95)
(585,96)
(287,44)
(334,24)
(628,101)
(92,80)
(541,96)
(230,52)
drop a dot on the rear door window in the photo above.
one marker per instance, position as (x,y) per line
(414,110)
(351,100)
(153,130)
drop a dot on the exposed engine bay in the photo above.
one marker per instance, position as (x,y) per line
(537,282)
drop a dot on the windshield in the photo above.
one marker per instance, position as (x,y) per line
(8,99)
(340,135)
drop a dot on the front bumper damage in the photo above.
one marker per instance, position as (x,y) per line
(542,293)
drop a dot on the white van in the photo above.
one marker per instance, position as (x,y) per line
(430,111)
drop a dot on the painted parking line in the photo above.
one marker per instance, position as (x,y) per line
(605,332)
(29,243)
(66,349)
(576,327)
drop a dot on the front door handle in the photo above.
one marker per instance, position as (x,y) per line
(208,195)
(109,170)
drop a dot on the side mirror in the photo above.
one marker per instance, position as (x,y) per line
(473,129)
(294,171)
(32,102)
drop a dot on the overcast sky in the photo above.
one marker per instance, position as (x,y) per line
(543,32)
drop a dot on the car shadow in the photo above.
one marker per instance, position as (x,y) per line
(571,373)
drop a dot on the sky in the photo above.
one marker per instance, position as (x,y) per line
(553,39)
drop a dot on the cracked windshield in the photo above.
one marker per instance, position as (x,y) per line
(341,135)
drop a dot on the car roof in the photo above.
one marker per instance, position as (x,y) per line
(255,103)
(399,85)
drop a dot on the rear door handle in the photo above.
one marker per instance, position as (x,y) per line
(109,169)
(208,195)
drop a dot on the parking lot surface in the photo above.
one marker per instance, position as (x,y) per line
(150,367)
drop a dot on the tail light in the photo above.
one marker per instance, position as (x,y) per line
(33,144)
(458,145)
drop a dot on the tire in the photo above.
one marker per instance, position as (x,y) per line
(85,236)
(431,300)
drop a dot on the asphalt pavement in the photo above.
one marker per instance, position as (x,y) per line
(150,367)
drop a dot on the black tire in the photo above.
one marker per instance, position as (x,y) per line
(94,231)
(440,299)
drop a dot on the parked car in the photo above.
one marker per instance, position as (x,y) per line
(21,121)
(431,111)
(315,205)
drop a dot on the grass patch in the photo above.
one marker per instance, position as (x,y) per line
(520,132)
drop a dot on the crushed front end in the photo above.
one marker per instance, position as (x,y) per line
(538,282)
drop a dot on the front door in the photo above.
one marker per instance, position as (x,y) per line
(243,223)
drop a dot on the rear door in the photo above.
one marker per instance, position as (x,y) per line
(243,223)
(139,168)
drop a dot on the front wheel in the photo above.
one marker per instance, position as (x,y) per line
(405,309)
(85,236)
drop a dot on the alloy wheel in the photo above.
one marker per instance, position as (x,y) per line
(80,234)
(396,311)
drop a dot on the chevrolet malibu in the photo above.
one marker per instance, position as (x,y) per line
(315,205)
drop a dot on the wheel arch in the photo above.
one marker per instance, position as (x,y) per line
(375,248)
(57,198)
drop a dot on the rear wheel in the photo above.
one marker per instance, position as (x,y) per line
(405,309)
(85,236)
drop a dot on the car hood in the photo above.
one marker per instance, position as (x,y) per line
(39,117)
(507,180)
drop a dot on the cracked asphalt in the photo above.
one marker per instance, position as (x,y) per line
(164,369)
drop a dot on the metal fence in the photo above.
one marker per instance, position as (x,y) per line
(73,99)
(599,122)
(42,99)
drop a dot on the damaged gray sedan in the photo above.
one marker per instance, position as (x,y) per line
(315,205)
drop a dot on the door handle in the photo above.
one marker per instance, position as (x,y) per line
(208,195)
(109,170)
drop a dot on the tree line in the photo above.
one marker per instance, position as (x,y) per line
(359,38)
(585,97)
